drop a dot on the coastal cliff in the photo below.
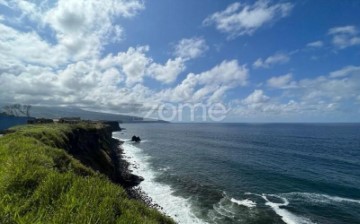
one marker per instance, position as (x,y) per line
(62,173)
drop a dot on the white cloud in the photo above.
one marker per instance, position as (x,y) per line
(190,48)
(315,44)
(343,30)
(136,65)
(208,86)
(329,89)
(256,97)
(228,72)
(243,19)
(84,83)
(69,70)
(68,66)
(83,26)
(117,34)
(279,111)
(348,70)
(278,58)
(133,63)
(338,86)
(320,96)
(28,47)
(81,29)
(169,72)
(345,36)
(26,8)
(281,82)
(3,2)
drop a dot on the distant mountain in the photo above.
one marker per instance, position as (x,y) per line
(57,112)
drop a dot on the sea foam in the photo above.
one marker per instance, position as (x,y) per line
(246,202)
(285,215)
(320,198)
(178,208)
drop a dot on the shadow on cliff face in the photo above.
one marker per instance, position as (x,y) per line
(97,149)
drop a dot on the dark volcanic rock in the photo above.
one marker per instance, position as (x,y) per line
(97,149)
(113,124)
(135,138)
(134,180)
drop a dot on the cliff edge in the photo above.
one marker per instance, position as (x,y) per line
(63,173)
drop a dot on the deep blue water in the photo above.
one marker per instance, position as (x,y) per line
(8,122)
(250,173)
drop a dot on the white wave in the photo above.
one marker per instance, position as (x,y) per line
(221,209)
(178,208)
(249,193)
(246,202)
(321,198)
(285,215)
(164,168)
(224,211)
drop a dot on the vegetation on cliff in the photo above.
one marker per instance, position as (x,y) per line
(41,181)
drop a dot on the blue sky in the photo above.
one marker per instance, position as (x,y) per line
(263,61)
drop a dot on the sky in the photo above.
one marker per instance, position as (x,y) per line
(185,60)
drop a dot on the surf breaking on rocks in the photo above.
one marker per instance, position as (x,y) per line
(179,208)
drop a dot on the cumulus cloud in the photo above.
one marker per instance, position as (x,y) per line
(281,82)
(256,97)
(278,58)
(136,65)
(84,83)
(133,63)
(81,29)
(28,47)
(227,72)
(82,26)
(327,89)
(190,48)
(59,59)
(258,103)
(335,87)
(276,109)
(168,72)
(340,86)
(326,95)
(244,19)
(344,36)
(67,68)
(208,86)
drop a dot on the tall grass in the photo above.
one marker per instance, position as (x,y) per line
(41,183)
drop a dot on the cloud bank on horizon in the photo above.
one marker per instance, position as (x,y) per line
(264,60)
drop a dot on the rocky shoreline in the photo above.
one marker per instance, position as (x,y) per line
(123,175)
(130,181)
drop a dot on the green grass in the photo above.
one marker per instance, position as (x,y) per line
(41,183)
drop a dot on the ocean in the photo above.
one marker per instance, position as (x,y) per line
(249,173)
(8,122)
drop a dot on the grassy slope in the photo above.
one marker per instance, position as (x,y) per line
(41,183)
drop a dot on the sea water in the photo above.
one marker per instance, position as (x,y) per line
(249,173)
